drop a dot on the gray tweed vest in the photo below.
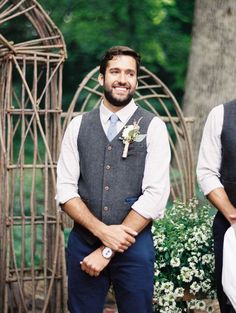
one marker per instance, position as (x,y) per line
(228,140)
(108,183)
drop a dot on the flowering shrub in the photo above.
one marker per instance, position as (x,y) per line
(184,264)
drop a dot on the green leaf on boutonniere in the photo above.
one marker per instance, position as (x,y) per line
(140,137)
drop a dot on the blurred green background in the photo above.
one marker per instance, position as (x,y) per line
(160,30)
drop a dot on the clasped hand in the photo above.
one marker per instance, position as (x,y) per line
(94,263)
(117,237)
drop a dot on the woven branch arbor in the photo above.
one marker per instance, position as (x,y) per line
(32,260)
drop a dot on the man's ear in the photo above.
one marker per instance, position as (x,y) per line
(101,79)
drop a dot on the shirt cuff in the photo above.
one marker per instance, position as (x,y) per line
(146,211)
(63,199)
(209,184)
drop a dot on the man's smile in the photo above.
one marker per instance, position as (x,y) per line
(121,89)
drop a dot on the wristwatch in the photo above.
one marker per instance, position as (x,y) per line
(107,252)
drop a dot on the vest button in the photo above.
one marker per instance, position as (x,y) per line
(106,188)
(108,167)
(109,148)
(105,208)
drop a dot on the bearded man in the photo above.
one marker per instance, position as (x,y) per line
(113,195)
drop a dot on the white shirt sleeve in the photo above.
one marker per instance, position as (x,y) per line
(68,170)
(209,159)
(156,184)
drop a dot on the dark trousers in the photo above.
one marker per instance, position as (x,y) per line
(220,226)
(130,273)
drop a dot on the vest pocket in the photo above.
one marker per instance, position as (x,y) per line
(131,200)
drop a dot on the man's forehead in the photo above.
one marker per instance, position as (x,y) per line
(122,61)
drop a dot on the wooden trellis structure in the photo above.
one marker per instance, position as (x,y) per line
(32,263)
(153,95)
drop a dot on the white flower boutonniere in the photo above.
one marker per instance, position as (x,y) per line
(130,134)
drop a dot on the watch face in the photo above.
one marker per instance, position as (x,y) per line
(107,252)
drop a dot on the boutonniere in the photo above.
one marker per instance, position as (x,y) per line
(130,134)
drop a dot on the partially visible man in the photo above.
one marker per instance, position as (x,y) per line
(113,194)
(216,173)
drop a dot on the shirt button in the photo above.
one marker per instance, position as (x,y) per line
(108,167)
(109,148)
(105,208)
(106,188)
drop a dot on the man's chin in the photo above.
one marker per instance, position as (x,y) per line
(118,100)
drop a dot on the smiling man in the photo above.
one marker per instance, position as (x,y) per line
(119,82)
(111,198)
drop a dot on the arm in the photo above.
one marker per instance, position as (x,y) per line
(133,224)
(220,200)
(136,221)
(156,182)
(117,237)
(209,162)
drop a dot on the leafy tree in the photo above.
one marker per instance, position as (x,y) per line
(159,29)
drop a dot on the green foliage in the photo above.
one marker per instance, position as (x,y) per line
(159,30)
(24,188)
(184,257)
(31,252)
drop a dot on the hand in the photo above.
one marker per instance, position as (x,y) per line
(118,237)
(232,218)
(94,263)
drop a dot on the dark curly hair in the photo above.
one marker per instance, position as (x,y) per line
(115,51)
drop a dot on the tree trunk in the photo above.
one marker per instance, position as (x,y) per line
(211,77)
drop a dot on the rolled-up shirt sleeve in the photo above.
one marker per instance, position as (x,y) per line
(156,183)
(68,170)
(209,158)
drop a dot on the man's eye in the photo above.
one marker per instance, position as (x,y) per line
(130,74)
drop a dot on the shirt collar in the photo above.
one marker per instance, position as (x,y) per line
(124,114)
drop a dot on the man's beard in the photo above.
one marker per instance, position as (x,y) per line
(117,102)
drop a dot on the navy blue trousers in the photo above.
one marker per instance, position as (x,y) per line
(220,226)
(130,273)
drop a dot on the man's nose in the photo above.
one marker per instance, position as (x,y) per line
(122,77)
